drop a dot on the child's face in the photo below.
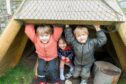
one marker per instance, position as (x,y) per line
(62,44)
(82,38)
(44,34)
(44,38)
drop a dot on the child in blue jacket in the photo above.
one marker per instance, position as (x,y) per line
(65,54)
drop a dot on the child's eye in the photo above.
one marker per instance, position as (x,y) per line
(84,33)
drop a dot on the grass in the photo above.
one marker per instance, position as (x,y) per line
(23,75)
(122,82)
(18,75)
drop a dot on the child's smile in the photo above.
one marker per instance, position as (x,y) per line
(62,44)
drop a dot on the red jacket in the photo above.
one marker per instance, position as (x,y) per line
(46,51)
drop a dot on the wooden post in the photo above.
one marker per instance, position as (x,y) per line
(12,44)
(120,48)
(121,27)
(8,36)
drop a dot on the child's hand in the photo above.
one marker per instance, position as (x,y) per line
(67,26)
(97,27)
(67,59)
(63,57)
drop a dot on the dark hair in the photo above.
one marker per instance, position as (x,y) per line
(63,38)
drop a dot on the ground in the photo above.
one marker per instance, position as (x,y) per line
(23,73)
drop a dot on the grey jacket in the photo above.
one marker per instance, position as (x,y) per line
(84,53)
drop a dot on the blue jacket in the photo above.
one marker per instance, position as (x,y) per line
(67,52)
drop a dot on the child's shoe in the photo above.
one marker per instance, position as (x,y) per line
(68,75)
(83,82)
(42,83)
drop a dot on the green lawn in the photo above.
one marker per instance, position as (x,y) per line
(18,75)
(122,81)
(23,75)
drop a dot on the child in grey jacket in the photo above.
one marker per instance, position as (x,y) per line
(83,48)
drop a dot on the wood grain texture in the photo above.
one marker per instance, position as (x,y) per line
(12,44)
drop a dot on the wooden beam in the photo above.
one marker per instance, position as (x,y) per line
(8,36)
(121,27)
(12,44)
(120,49)
(71,22)
(18,46)
(14,53)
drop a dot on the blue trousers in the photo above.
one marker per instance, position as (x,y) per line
(50,67)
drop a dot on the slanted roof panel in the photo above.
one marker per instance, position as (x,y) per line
(83,10)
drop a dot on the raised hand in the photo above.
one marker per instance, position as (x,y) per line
(97,27)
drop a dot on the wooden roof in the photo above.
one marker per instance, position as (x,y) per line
(70,11)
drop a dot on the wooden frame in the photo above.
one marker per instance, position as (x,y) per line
(120,48)
(12,44)
(70,22)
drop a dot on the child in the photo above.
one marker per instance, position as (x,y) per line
(45,41)
(84,49)
(65,54)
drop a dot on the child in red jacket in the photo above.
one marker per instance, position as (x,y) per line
(45,40)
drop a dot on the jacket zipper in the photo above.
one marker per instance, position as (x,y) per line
(45,51)
(82,54)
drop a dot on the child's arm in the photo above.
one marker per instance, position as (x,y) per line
(69,35)
(57,32)
(30,31)
(60,54)
(101,38)
(70,54)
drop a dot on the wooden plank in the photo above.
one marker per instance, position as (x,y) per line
(120,49)
(18,46)
(71,22)
(12,44)
(14,52)
(8,36)
(121,27)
